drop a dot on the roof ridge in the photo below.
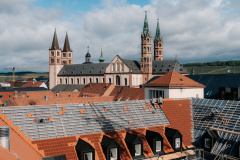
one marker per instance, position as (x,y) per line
(171,77)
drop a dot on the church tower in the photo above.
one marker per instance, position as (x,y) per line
(55,61)
(88,57)
(158,48)
(146,56)
(67,54)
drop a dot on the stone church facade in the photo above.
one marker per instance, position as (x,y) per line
(120,72)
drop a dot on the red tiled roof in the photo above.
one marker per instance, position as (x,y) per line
(19,145)
(178,113)
(6,155)
(126,93)
(32,84)
(174,79)
(94,89)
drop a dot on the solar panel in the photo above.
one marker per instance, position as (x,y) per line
(79,119)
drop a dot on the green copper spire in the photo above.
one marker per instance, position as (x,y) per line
(145,26)
(101,59)
(158,35)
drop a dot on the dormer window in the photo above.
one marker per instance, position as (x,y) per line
(138,149)
(158,146)
(113,154)
(88,156)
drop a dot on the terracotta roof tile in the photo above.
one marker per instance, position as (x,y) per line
(174,79)
(178,113)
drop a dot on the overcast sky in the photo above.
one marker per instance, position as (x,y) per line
(192,30)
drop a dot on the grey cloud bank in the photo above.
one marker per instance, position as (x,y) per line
(199,30)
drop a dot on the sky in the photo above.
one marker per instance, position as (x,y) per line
(192,31)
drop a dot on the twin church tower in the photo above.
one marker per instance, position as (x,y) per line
(146,56)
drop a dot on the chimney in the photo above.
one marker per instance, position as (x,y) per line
(5,137)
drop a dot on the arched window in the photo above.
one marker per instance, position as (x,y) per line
(84,81)
(96,80)
(113,67)
(90,79)
(78,81)
(60,80)
(103,80)
(118,66)
(125,81)
(144,49)
(71,80)
(122,67)
(118,80)
(66,80)
(148,49)
(110,80)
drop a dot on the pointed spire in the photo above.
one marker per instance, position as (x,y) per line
(55,41)
(158,34)
(145,26)
(101,59)
(66,46)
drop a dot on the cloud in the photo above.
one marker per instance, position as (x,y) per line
(200,30)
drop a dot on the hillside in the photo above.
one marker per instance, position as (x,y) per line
(24,76)
(218,67)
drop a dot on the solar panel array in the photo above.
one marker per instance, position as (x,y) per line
(95,118)
(227,118)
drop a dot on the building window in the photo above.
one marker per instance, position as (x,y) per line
(88,156)
(156,94)
(78,81)
(207,143)
(69,62)
(60,80)
(9,96)
(64,62)
(58,53)
(52,60)
(66,80)
(177,143)
(148,49)
(64,55)
(1,96)
(159,44)
(90,79)
(125,81)
(103,80)
(84,81)
(52,53)
(113,154)
(147,40)
(118,66)
(69,55)
(72,80)
(110,80)
(122,67)
(144,49)
(58,60)
(113,67)
(137,149)
(158,146)
(118,80)
(96,80)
